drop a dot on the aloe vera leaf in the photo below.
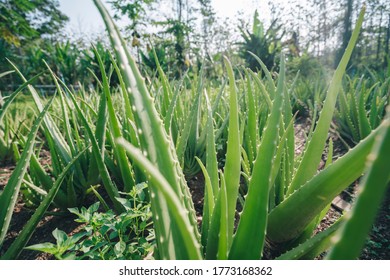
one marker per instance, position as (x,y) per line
(189,130)
(100,134)
(267,75)
(123,162)
(262,88)
(217,100)
(250,236)
(288,219)
(40,173)
(242,128)
(374,110)
(67,131)
(372,189)
(64,111)
(129,125)
(146,117)
(25,235)
(168,119)
(233,155)
(71,192)
(279,156)
(33,187)
(208,204)
(328,162)
(289,156)
(223,241)
(211,154)
(6,73)
(48,122)
(213,235)
(12,97)
(312,156)
(111,189)
(153,138)
(353,95)
(190,248)
(220,131)
(345,114)
(245,164)
(313,246)
(124,93)
(166,110)
(252,123)
(45,181)
(100,198)
(308,232)
(9,195)
(364,124)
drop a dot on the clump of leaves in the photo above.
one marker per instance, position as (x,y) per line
(105,235)
(265,44)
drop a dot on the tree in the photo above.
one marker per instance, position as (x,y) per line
(208,20)
(23,20)
(135,11)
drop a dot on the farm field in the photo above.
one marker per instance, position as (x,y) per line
(126,150)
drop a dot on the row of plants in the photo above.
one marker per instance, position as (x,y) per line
(145,140)
(70,62)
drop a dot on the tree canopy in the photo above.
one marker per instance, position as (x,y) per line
(27,20)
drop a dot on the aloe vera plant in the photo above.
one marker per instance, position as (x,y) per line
(10,194)
(302,195)
(361,107)
(372,190)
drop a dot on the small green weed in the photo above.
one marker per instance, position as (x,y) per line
(105,236)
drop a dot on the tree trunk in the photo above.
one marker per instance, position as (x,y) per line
(347,31)
(387,56)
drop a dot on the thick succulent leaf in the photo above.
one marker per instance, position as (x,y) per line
(10,193)
(155,144)
(288,219)
(123,162)
(232,169)
(110,187)
(48,122)
(190,247)
(312,155)
(313,246)
(352,236)
(12,97)
(250,236)
(25,235)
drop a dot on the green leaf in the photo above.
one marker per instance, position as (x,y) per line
(9,195)
(232,169)
(288,219)
(124,164)
(250,236)
(119,248)
(155,143)
(313,246)
(25,235)
(186,245)
(46,247)
(313,152)
(372,190)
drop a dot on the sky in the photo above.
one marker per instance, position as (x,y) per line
(85,18)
